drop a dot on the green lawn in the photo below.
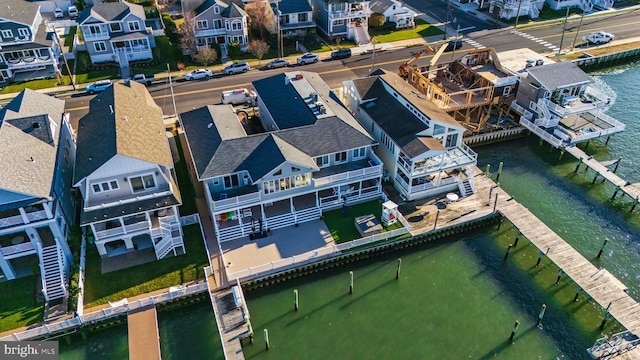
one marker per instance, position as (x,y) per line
(83,75)
(187,191)
(34,85)
(388,33)
(18,304)
(161,274)
(342,227)
(171,54)
(68,39)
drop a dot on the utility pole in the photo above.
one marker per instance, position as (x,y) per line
(66,64)
(564,28)
(518,14)
(455,43)
(579,26)
(280,52)
(374,41)
(444,37)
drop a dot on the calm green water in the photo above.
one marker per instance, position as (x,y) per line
(189,333)
(107,344)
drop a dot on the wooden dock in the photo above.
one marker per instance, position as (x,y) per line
(231,321)
(601,170)
(144,339)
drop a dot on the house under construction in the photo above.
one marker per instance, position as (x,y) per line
(470,88)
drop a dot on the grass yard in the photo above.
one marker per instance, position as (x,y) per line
(187,191)
(35,85)
(84,76)
(68,39)
(388,32)
(342,227)
(171,54)
(18,304)
(161,274)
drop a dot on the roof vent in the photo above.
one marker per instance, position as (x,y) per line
(36,125)
(111,108)
(209,125)
(125,118)
(33,160)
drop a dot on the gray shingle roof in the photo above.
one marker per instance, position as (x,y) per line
(27,146)
(292,6)
(233,11)
(19,11)
(124,120)
(102,214)
(558,75)
(379,6)
(111,11)
(286,106)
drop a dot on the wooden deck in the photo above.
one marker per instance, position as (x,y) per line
(144,339)
(231,322)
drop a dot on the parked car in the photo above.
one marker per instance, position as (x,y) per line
(199,74)
(600,37)
(341,54)
(277,63)
(238,96)
(235,68)
(73,12)
(58,13)
(308,58)
(142,79)
(98,86)
(453,45)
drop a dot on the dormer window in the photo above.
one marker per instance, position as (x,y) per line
(115,27)
(23,32)
(216,9)
(142,183)
(105,186)
(134,26)
(7,34)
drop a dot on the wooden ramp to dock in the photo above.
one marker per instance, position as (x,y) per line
(231,322)
(601,286)
(631,190)
(144,338)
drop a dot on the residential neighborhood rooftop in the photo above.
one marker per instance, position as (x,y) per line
(111,11)
(559,75)
(20,11)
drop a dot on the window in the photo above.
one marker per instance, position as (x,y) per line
(294,169)
(338,22)
(115,27)
(105,186)
(7,33)
(303,17)
(134,26)
(227,26)
(231,181)
(236,25)
(340,157)
(95,29)
(279,172)
(202,24)
(216,9)
(359,153)
(23,32)
(217,24)
(438,129)
(141,183)
(100,46)
(322,161)
(506,91)
(452,140)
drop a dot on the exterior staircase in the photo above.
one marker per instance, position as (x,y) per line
(362,35)
(167,238)
(466,187)
(52,272)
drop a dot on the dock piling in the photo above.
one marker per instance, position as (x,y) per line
(558,278)
(561,153)
(487,172)
(578,166)
(602,248)
(518,234)
(266,339)
(351,282)
(578,290)
(435,223)
(495,203)
(615,192)
(617,163)
(507,253)
(514,330)
(607,315)
(398,270)
(541,315)
(594,179)
(295,299)
(250,331)
(634,205)
(499,171)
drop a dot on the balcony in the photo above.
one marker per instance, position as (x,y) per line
(354,12)
(88,36)
(14,218)
(210,32)
(452,159)
(345,173)
(590,100)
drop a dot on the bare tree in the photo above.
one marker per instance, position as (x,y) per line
(206,56)
(261,16)
(258,48)
(187,34)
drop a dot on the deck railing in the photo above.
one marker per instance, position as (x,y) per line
(9,251)
(349,175)
(556,142)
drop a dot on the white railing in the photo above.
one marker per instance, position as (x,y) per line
(41,263)
(504,81)
(95,36)
(10,251)
(109,232)
(11,221)
(37,215)
(337,178)
(137,226)
(210,32)
(190,219)
(102,205)
(123,308)
(235,201)
(556,142)
(83,262)
(310,256)
(519,109)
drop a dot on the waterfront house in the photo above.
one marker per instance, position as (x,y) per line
(420,145)
(313,156)
(116,32)
(558,102)
(395,12)
(36,206)
(510,9)
(343,19)
(124,171)
(295,17)
(27,51)
(218,22)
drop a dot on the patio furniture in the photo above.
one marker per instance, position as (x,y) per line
(223,196)
(451,197)
(367,225)
(17,240)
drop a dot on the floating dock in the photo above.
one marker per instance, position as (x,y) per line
(144,338)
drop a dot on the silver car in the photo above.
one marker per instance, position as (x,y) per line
(199,74)
(308,58)
(277,63)
(235,68)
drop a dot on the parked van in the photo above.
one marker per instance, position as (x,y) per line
(73,12)
(238,96)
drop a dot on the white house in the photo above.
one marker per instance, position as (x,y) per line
(420,145)
(36,205)
(218,22)
(313,157)
(343,19)
(394,11)
(124,170)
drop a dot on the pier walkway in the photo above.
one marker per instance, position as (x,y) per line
(144,338)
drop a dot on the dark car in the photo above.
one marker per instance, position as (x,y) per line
(453,45)
(341,54)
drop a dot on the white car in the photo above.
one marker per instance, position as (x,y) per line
(600,37)
(235,68)
(199,74)
(308,58)
(277,63)
(58,13)
(73,12)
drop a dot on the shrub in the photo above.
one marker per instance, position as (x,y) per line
(170,28)
(234,49)
(377,20)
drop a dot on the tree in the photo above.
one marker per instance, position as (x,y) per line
(260,14)
(377,20)
(258,48)
(187,34)
(206,56)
